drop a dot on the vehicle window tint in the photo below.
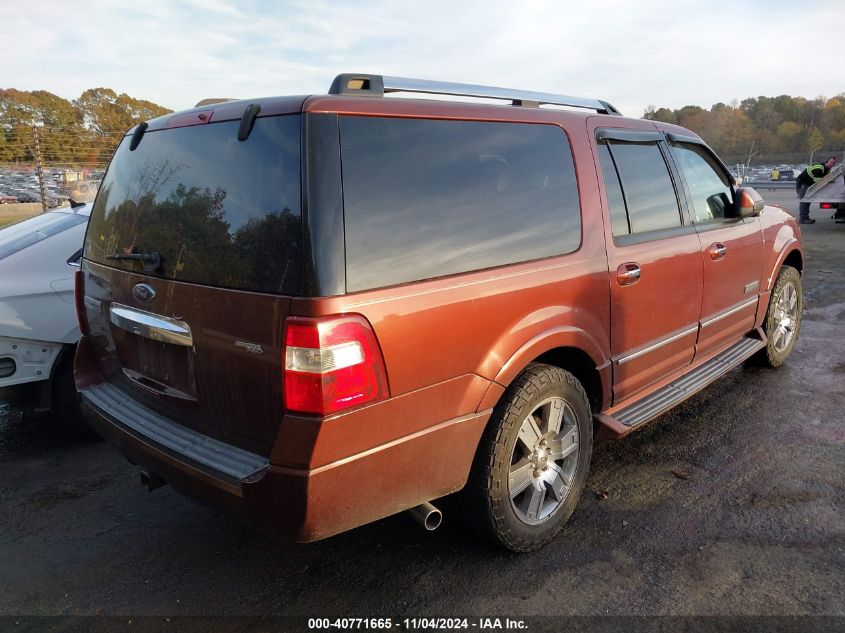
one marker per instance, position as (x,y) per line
(712,196)
(615,200)
(219,211)
(427,198)
(18,236)
(646,185)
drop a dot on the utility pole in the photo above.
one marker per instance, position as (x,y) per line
(39,170)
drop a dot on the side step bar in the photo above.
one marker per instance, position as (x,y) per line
(635,415)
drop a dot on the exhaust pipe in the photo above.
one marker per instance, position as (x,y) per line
(151,481)
(427,516)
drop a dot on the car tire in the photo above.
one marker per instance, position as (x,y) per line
(783,318)
(532,461)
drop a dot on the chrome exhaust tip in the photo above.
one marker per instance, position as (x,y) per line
(427,516)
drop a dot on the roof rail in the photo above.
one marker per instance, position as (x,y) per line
(212,100)
(364,85)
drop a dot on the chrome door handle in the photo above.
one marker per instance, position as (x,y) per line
(151,326)
(628,274)
(718,250)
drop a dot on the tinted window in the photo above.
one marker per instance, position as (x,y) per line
(615,200)
(429,198)
(220,211)
(648,190)
(28,232)
(712,196)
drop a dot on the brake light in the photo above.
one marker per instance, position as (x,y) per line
(332,364)
(826,205)
(79,298)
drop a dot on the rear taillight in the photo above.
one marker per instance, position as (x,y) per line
(826,205)
(79,297)
(332,364)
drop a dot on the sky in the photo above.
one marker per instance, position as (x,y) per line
(632,54)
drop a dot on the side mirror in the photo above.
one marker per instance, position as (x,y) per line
(748,203)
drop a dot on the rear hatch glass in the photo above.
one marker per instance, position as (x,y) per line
(218,211)
(223,215)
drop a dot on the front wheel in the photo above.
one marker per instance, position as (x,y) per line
(783,317)
(533,459)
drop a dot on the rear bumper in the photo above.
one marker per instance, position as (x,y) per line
(307,504)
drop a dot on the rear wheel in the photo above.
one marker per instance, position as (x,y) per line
(783,317)
(533,459)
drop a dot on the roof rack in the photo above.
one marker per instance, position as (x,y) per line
(364,85)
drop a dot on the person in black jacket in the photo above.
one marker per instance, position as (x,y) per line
(807,179)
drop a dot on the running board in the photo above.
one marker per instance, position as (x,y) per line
(635,415)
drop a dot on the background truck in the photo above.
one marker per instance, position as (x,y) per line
(829,192)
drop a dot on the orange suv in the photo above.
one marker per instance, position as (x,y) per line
(320,311)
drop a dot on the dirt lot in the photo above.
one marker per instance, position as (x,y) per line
(732,504)
(10,213)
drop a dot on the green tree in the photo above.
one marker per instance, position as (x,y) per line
(107,113)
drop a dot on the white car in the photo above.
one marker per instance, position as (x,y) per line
(38,326)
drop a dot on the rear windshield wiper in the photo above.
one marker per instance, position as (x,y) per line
(150,261)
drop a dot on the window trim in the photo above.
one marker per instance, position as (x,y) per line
(672,140)
(627,135)
(653,235)
(643,137)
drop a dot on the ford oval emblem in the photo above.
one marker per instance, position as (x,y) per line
(144,292)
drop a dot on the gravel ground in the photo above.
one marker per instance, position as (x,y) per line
(732,504)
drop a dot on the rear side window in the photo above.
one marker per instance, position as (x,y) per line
(219,211)
(17,237)
(426,198)
(646,185)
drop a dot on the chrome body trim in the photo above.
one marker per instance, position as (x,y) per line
(670,339)
(751,287)
(732,310)
(151,326)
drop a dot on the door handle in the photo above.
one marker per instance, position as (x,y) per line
(718,250)
(628,274)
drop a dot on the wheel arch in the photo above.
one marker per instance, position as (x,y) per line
(568,348)
(795,259)
(579,364)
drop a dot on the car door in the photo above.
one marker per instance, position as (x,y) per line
(731,247)
(654,258)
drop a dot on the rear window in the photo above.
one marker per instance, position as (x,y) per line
(425,198)
(17,237)
(219,211)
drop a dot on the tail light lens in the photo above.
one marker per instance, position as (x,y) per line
(826,205)
(79,297)
(332,364)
